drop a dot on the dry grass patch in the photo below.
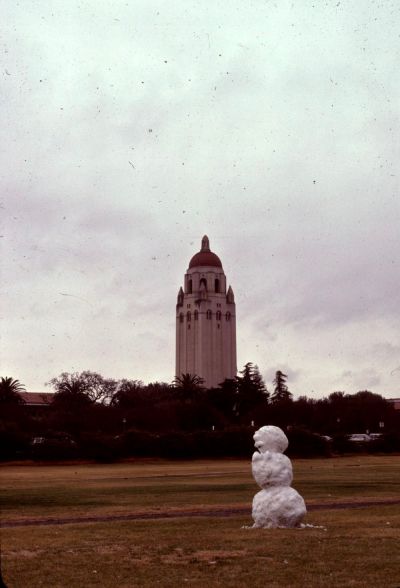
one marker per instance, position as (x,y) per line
(29,491)
(82,490)
(357,549)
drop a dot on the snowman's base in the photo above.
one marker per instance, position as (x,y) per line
(278,507)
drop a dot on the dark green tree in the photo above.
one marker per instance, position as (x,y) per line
(141,407)
(128,394)
(80,404)
(281,392)
(224,398)
(86,384)
(159,390)
(305,413)
(251,390)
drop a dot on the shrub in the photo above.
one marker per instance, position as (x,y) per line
(54,448)
(304,443)
(14,443)
(341,444)
(103,448)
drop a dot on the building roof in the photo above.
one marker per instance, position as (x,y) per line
(395,402)
(205,257)
(37,398)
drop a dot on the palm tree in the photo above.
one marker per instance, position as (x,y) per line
(9,391)
(188,385)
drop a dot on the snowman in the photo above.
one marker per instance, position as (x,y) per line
(277,504)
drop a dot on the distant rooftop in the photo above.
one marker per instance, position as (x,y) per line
(395,401)
(37,398)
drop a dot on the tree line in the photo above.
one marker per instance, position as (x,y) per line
(101,418)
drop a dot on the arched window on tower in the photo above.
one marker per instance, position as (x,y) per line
(196,315)
(190,286)
(188,316)
(203,282)
(216,284)
(218,315)
(208,315)
(181,317)
(228,316)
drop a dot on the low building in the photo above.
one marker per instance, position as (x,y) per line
(37,399)
(395,402)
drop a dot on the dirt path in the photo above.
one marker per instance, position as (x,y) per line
(181,513)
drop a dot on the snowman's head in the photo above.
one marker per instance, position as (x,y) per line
(270,438)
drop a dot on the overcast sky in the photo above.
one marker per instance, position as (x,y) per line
(131,129)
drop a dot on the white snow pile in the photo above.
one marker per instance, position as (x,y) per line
(277,504)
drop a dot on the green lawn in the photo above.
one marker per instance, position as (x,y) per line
(355,547)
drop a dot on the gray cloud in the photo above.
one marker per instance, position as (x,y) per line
(133,130)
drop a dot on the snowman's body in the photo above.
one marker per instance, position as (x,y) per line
(277,504)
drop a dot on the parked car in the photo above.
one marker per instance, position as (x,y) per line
(57,437)
(54,446)
(38,440)
(359,438)
(375,436)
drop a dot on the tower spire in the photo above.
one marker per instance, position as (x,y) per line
(205,244)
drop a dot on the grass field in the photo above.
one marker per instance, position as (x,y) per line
(354,548)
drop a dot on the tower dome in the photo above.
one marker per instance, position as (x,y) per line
(205,257)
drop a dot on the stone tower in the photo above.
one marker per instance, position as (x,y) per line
(206,321)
